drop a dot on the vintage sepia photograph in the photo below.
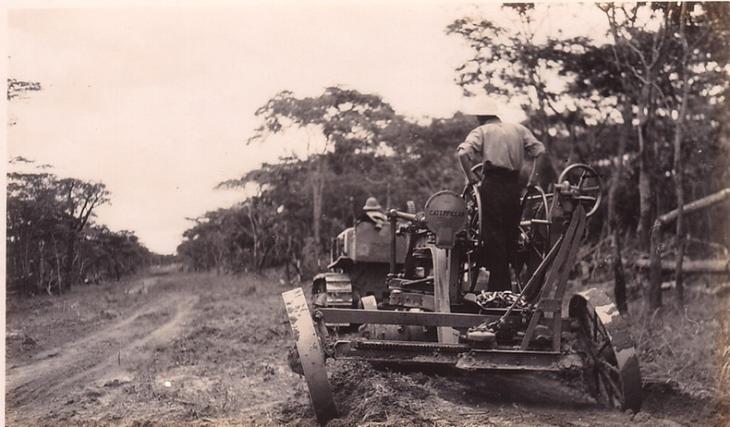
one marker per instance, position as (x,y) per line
(366,213)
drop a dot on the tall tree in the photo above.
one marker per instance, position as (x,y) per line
(635,83)
(597,73)
(406,163)
(350,122)
(698,32)
(678,139)
(643,55)
(40,222)
(80,198)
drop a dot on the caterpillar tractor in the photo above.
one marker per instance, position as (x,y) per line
(360,262)
(433,310)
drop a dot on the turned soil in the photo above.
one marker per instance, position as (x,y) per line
(175,348)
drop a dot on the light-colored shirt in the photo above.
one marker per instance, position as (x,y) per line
(503,144)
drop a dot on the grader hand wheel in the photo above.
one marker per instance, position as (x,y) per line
(585,182)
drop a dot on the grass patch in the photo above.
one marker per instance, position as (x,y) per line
(677,344)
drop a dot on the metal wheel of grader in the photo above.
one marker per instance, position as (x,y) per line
(433,312)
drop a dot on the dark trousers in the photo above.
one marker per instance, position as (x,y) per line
(500,194)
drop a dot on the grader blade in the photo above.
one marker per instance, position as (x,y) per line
(311,355)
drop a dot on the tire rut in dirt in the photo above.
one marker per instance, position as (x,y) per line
(75,365)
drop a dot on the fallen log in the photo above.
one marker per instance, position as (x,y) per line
(698,204)
(708,266)
(656,266)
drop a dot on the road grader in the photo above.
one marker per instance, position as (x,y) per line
(432,309)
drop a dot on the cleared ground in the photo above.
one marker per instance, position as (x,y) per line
(199,349)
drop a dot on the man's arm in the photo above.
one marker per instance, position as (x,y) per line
(532,173)
(470,148)
(533,150)
(465,163)
(533,147)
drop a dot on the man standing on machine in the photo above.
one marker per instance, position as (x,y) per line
(501,148)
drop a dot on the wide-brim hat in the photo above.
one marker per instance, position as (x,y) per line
(371,204)
(480,106)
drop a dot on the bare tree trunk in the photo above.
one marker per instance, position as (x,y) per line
(288,258)
(262,263)
(41,264)
(27,272)
(648,235)
(646,74)
(70,255)
(655,271)
(317,189)
(254,234)
(59,285)
(297,264)
(82,267)
(387,196)
(646,201)
(678,165)
(613,220)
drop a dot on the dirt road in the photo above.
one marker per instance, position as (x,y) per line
(200,349)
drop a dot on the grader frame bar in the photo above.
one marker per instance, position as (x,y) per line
(549,305)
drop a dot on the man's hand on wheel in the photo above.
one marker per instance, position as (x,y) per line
(472,179)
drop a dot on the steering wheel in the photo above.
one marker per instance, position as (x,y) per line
(585,182)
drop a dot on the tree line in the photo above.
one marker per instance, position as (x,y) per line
(646,105)
(52,241)
(301,202)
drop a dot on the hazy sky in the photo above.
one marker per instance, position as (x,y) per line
(157,102)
